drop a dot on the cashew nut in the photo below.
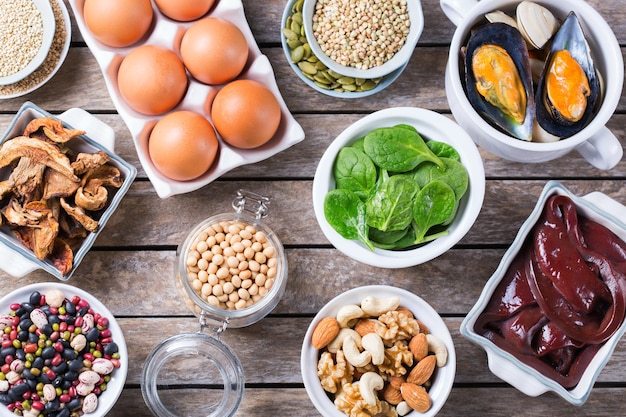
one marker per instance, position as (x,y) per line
(436,346)
(373,344)
(403,408)
(374,306)
(368,384)
(353,355)
(348,315)
(338,341)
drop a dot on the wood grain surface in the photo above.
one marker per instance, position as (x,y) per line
(131,266)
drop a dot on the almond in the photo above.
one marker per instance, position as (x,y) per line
(325,331)
(397,381)
(406,311)
(419,346)
(423,328)
(365,326)
(416,397)
(392,395)
(422,371)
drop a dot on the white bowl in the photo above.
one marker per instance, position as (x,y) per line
(432,126)
(399,59)
(444,378)
(49,25)
(107,399)
(595,206)
(15,258)
(381,85)
(596,143)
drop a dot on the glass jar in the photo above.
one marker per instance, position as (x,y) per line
(196,374)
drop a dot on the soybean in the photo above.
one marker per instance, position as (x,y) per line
(243,264)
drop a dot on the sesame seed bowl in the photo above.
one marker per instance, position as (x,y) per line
(54,57)
(325,28)
(26,38)
(314,72)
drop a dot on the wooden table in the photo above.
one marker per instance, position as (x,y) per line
(131,265)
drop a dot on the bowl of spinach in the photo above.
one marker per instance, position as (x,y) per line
(398,187)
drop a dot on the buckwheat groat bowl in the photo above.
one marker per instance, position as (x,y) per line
(351,331)
(413,216)
(373,40)
(565,271)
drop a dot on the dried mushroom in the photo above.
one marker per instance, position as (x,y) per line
(53,197)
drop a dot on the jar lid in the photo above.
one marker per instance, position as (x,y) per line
(192,374)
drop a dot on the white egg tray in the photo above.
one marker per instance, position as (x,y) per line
(168,33)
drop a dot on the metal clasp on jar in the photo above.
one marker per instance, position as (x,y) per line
(251,202)
(213,323)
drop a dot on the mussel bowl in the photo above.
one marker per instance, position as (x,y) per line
(531,74)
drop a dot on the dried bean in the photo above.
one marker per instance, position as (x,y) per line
(45,350)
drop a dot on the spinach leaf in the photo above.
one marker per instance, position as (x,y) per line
(379,237)
(358,144)
(345,212)
(443,150)
(398,149)
(434,205)
(355,171)
(390,207)
(454,174)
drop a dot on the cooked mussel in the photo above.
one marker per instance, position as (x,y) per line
(498,78)
(569,87)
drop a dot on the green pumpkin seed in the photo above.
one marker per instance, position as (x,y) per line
(290,34)
(297,17)
(345,80)
(321,79)
(321,85)
(368,85)
(295,26)
(307,67)
(293,44)
(349,87)
(297,54)
(307,50)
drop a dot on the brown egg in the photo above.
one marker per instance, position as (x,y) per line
(214,50)
(152,79)
(184,10)
(245,113)
(118,23)
(183,145)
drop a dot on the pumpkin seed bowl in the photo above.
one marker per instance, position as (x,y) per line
(317,75)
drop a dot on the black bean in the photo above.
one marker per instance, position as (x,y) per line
(6,352)
(38,363)
(25,324)
(47,329)
(52,406)
(69,354)
(76,365)
(82,311)
(111,348)
(65,412)
(70,308)
(93,335)
(71,375)
(5,399)
(28,307)
(48,352)
(60,368)
(35,298)
(74,404)
(18,390)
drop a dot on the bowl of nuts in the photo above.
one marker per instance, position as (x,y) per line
(82,367)
(375,350)
(371,39)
